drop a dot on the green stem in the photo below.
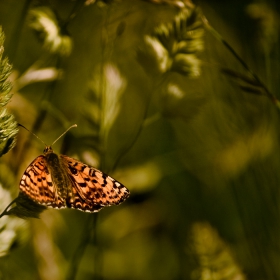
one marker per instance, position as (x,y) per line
(5,212)
(242,62)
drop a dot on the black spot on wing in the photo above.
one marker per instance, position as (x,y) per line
(91,173)
(73,170)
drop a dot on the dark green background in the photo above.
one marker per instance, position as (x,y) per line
(202,166)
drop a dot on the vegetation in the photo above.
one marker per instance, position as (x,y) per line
(176,101)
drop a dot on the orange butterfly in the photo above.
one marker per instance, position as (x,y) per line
(60,181)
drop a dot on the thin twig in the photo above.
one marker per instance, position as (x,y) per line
(5,212)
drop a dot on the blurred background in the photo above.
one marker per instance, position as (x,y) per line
(164,106)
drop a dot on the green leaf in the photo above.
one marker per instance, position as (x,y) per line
(25,208)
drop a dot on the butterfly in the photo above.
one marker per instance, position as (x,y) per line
(60,181)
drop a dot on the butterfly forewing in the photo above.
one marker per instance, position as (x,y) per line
(92,188)
(36,183)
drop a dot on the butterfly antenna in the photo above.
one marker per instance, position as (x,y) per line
(74,125)
(32,133)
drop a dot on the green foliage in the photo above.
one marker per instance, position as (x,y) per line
(8,125)
(25,208)
(164,107)
(12,230)
(173,46)
(44,22)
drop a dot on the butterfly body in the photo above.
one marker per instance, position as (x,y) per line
(60,181)
(58,173)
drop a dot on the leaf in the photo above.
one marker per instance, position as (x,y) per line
(251,84)
(26,208)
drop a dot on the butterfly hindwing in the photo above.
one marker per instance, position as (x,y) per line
(78,203)
(92,188)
